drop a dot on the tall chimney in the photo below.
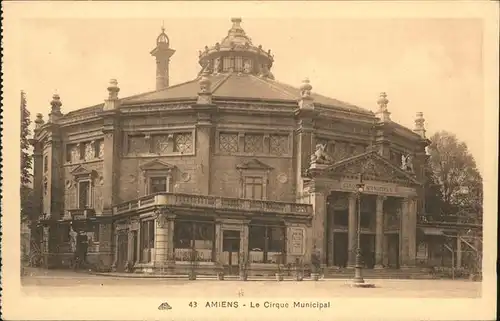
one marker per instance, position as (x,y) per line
(162,53)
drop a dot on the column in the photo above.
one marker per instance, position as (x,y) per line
(412,232)
(161,239)
(459,252)
(218,242)
(130,246)
(115,251)
(352,231)
(318,223)
(379,232)
(244,238)
(408,232)
(170,238)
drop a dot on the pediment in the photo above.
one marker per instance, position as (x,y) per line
(254,164)
(156,165)
(82,171)
(374,167)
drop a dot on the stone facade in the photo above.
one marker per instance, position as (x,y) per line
(229,174)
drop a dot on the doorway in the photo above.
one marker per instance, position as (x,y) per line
(135,244)
(122,250)
(368,250)
(340,251)
(230,250)
(393,250)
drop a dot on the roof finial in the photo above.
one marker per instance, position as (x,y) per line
(419,124)
(383,113)
(236,22)
(163,26)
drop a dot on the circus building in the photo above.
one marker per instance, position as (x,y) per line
(228,165)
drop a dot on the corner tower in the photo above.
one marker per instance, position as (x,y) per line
(162,53)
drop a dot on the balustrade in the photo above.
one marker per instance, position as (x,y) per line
(214,202)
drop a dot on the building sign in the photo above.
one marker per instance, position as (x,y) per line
(370,188)
(297,241)
(422,251)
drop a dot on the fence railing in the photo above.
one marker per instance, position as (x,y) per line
(214,202)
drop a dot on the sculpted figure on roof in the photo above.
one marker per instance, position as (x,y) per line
(407,163)
(320,156)
(217,65)
(247,67)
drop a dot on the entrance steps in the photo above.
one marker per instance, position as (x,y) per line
(387,273)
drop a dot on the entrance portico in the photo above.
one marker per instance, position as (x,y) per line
(388,212)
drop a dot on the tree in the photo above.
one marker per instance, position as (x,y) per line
(455,171)
(26,191)
(433,201)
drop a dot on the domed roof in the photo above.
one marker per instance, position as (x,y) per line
(236,70)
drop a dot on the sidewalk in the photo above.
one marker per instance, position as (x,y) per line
(198,277)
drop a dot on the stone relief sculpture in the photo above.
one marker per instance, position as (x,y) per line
(407,163)
(320,156)
(216,65)
(247,68)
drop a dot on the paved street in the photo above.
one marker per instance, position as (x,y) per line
(54,283)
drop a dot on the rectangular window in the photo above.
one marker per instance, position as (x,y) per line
(266,244)
(238,64)
(89,151)
(254,187)
(160,144)
(228,142)
(254,143)
(81,151)
(227,64)
(158,185)
(84,194)
(68,153)
(278,144)
(341,218)
(183,143)
(198,236)
(147,240)
(137,144)
(98,149)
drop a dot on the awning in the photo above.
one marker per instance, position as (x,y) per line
(432,231)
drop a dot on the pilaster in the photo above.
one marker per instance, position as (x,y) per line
(305,139)
(52,181)
(203,144)
(218,241)
(352,226)
(408,232)
(379,232)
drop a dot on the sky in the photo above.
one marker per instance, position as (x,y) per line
(432,66)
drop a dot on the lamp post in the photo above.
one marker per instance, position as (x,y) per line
(358,274)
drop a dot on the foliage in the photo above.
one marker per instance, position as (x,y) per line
(26,192)
(433,202)
(455,172)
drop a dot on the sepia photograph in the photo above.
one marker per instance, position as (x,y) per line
(267,160)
